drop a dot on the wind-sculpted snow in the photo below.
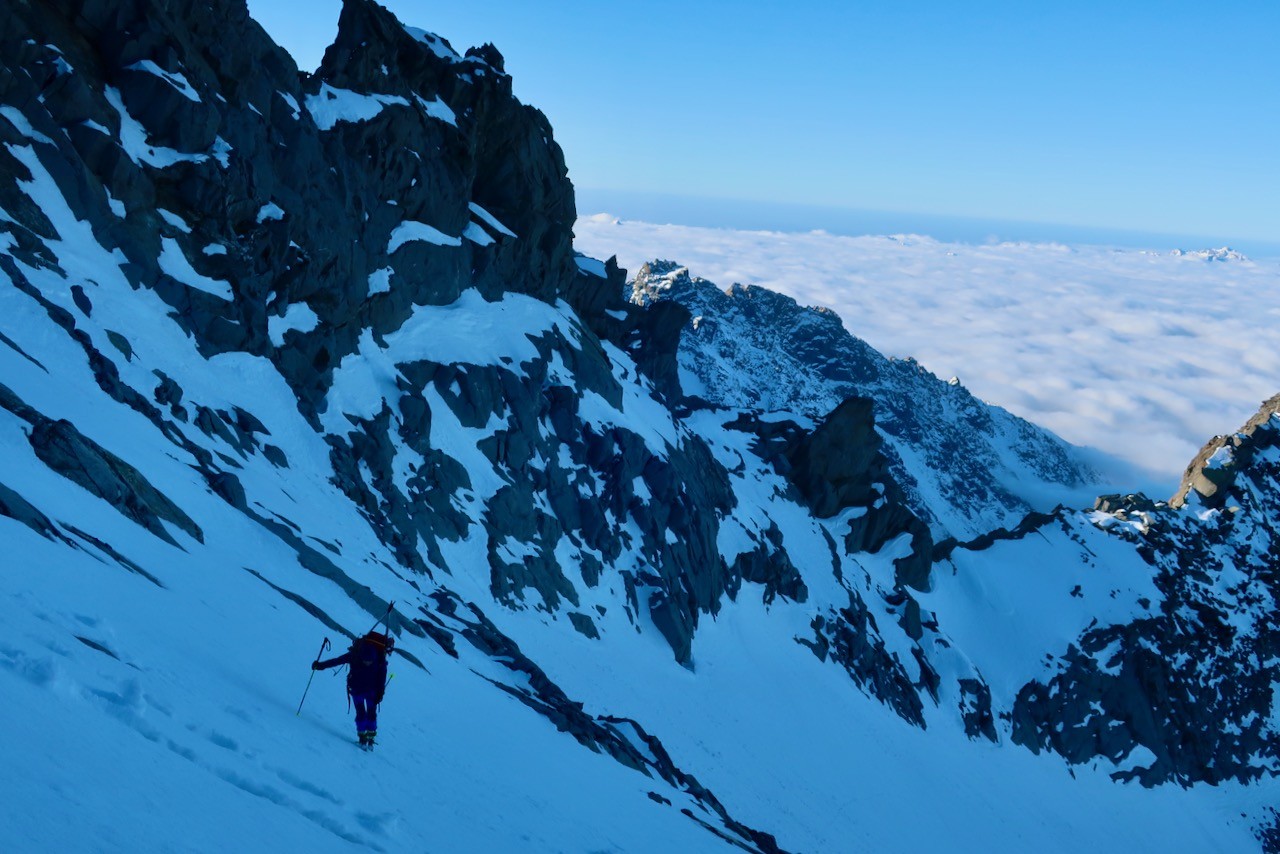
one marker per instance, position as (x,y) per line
(625,620)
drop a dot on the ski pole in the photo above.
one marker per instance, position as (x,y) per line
(383,618)
(323,646)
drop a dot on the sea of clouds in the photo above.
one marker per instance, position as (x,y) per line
(1141,355)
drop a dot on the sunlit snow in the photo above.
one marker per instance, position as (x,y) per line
(332,105)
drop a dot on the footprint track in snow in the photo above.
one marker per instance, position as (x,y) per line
(223,741)
(310,788)
(280,799)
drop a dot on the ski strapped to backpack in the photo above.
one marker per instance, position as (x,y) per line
(383,618)
(383,641)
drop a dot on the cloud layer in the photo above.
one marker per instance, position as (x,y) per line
(1141,355)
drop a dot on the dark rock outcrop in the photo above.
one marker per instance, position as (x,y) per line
(1213,472)
(61,447)
(1183,692)
(840,466)
(849,637)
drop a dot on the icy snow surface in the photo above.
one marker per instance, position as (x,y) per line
(332,105)
(270,211)
(433,42)
(133,138)
(591,266)
(174,220)
(299,318)
(19,121)
(292,103)
(1143,355)
(380,281)
(490,219)
(411,230)
(437,109)
(175,263)
(173,78)
(469,331)
(477,235)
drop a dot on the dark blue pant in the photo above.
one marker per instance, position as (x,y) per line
(366,712)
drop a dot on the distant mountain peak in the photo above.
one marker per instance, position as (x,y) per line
(1222,254)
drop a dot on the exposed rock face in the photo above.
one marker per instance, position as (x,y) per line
(848,637)
(288,191)
(837,466)
(965,467)
(1183,691)
(61,447)
(839,473)
(1212,475)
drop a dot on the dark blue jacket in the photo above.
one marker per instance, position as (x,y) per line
(368,674)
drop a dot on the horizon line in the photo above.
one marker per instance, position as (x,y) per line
(760,215)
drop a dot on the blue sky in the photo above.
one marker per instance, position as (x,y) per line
(1145,116)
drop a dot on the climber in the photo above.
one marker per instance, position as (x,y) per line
(366,680)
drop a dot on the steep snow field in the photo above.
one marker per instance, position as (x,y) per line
(1142,355)
(186,739)
(154,710)
(189,740)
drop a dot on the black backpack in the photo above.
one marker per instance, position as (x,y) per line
(374,645)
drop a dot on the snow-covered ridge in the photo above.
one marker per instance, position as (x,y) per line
(967,467)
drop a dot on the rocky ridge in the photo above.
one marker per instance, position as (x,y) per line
(965,467)
(1185,684)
